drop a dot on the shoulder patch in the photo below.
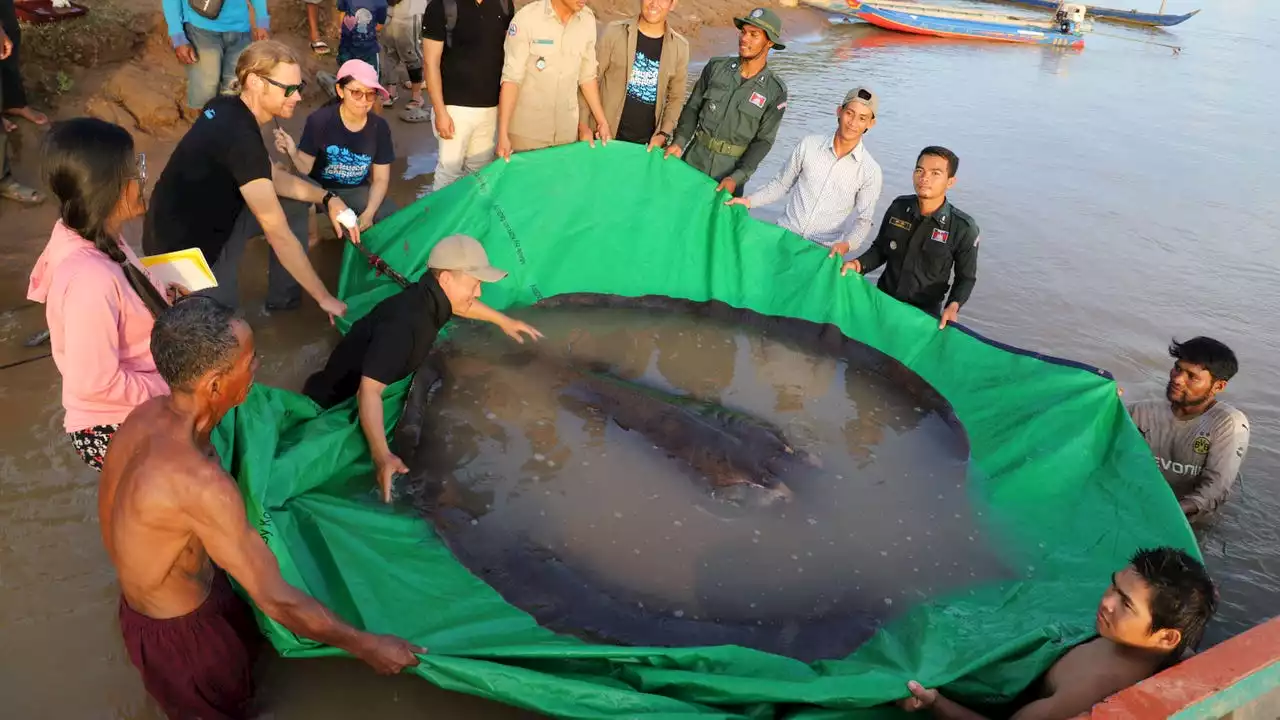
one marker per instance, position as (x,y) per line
(511,29)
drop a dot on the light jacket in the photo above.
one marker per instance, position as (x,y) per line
(616,52)
(99,328)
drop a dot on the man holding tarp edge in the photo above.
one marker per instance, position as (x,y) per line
(1199,442)
(1151,616)
(731,119)
(174,525)
(922,239)
(390,343)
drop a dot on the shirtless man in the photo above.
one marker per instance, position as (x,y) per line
(1199,442)
(1154,611)
(174,526)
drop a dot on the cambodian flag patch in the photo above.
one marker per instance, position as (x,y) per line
(757,99)
(939,236)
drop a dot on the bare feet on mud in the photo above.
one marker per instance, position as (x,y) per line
(26,113)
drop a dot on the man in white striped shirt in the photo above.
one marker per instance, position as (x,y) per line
(836,182)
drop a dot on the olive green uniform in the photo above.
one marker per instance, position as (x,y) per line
(729,123)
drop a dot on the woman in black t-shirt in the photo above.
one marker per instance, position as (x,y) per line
(346,148)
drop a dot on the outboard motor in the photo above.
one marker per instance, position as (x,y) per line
(1069,17)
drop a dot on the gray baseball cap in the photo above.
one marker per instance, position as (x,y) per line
(864,96)
(464,254)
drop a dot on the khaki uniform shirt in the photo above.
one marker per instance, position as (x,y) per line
(548,60)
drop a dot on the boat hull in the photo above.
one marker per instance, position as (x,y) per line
(905,18)
(1131,17)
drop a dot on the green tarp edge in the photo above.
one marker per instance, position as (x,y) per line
(1065,484)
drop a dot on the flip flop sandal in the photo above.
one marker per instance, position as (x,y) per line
(13,190)
(415,115)
(391,100)
(320,47)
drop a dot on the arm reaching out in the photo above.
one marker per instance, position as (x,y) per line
(261,198)
(218,519)
(513,328)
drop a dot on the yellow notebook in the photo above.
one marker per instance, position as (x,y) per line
(187,268)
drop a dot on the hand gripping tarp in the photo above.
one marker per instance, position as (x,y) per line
(1068,485)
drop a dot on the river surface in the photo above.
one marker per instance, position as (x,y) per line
(1124,196)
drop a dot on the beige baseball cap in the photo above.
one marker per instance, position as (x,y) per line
(864,96)
(464,254)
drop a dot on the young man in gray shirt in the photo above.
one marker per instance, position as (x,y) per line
(1199,442)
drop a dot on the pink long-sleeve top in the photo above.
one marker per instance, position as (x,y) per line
(99,328)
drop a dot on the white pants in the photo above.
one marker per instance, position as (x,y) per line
(473,145)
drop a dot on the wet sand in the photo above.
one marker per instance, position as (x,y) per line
(1118,208)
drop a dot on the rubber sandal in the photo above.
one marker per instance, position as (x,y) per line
(320,47)
(415,114)
(391,100)
(16,191)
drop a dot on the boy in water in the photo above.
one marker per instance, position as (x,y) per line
(1154,611)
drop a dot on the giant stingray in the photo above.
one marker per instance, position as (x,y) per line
(745,461)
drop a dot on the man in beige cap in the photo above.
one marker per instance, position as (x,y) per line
(836,182)
(390,343)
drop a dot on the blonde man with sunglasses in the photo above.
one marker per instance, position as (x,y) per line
(219,188)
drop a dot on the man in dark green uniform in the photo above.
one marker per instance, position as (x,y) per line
(922,239)
(731,119)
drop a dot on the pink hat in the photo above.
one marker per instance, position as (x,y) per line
(363,73)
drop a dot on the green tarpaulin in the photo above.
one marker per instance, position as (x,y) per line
(1067,484)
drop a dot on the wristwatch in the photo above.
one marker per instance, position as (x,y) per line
(324,201)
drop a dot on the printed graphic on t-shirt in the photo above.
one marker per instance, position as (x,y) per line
(644,79)
(360,24)
(344,166)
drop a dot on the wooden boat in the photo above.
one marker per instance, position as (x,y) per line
(909,17)
(1133,17)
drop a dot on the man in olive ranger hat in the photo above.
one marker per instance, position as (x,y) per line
(731,119)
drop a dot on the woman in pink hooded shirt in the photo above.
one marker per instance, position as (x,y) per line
(99,302)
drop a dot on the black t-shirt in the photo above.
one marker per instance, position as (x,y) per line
(343,158)
(386,345)
(197,199)
(639,111)
(470,68)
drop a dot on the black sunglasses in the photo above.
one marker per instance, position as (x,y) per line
(289,90)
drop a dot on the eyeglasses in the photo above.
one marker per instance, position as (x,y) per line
(289,90)
(366,95)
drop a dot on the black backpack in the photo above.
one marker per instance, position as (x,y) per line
(451,17)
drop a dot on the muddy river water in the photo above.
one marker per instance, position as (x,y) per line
(584,479)
(1124,198)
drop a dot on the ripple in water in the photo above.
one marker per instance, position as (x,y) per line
(597,530)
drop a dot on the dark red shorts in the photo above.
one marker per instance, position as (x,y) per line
(199,665)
